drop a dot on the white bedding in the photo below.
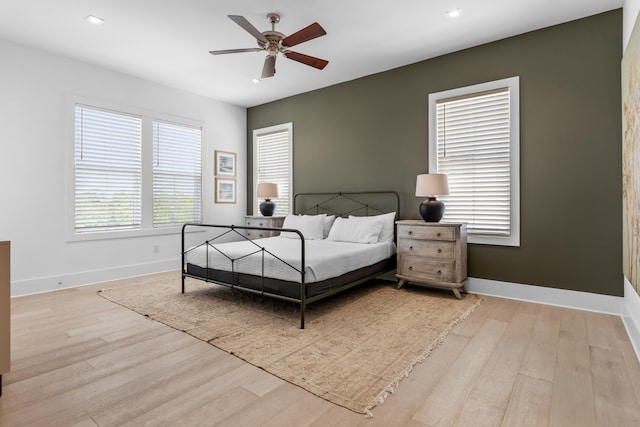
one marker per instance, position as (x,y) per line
(324,259)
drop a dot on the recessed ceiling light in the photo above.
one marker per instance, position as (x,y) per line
(454,13)
(94,20)
(255,80)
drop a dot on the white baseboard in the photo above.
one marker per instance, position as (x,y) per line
(628,308)
(631,315)
(551,296)
(73,280)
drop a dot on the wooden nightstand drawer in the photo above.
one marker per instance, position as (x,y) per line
(254,222)
(256,234)
(419,269)
(426,233)
(443,250)
(263,222)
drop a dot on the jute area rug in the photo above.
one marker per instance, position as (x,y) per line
(356,347)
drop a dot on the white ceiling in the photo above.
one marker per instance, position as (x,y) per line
(167,41)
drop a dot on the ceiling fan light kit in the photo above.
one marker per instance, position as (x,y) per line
(274,42)
(269,68)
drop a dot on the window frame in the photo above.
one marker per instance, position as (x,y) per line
(266,130)
(513,83)
(148,117)
(116,184)
(160,173)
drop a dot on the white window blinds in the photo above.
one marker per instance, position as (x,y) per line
(273,159)
(477,147)
(473,151)
(107,170)
(177,177)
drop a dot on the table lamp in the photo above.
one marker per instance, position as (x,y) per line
(267,190)
(430,185)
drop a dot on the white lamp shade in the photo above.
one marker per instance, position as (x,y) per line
(431,185)
(267,190)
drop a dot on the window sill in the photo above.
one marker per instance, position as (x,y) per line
(479,239)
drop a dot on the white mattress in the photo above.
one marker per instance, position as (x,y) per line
(324,259)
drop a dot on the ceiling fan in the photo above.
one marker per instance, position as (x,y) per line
(274,42)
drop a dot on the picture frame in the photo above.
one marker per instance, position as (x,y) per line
(225,163)
(225,190)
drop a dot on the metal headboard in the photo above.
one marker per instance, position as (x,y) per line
(361,203)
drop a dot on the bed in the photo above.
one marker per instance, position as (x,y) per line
(333,242)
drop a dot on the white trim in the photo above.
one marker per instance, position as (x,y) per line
(631,315)
(513,83)
(84,278)
(550,296)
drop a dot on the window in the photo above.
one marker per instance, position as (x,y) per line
(108,168)
(176,174)
(112,194)
(272,162)
(474,139)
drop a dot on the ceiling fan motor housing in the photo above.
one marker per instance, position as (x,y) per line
(274,37)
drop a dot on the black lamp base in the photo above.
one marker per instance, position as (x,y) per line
(432,210)
(267,208)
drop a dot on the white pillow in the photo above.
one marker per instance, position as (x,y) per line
(310,226)
(387,220)
(355,231)
(328,222)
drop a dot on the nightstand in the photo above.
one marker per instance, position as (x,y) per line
(263,222)
(432,253)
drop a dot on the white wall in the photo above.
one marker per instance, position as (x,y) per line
(34,142)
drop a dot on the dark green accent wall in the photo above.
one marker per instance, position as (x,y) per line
(371,134)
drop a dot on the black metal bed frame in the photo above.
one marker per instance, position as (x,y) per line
(327,205)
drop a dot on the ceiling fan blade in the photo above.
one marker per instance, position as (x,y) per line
(246,25)
(308,33)
(306,59)
(269,68)
(223,52)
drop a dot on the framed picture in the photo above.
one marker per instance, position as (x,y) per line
(225,190)
(225,163)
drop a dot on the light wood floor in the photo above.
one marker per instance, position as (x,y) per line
(80,360)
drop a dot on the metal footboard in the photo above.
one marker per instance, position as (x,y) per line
(237,232)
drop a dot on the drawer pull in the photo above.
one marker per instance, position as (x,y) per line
(410,248)
(439,272)
(261,224)
(410,268)
(410,233)
(439,251)
(439,234)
